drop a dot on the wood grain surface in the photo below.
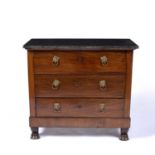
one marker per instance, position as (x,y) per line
(79,62)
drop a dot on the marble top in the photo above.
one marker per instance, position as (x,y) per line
(80,44)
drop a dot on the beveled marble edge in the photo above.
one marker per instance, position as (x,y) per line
(81,47)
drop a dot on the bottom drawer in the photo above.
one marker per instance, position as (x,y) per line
(49,107)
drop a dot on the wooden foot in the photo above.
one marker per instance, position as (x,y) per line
(124,134)
(35,134)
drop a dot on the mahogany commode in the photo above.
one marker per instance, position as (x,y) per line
(82,83)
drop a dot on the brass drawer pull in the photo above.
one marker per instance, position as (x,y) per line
(102,84)
(101,107)
(56,60)
(57,107)
(55,84)
(103,60)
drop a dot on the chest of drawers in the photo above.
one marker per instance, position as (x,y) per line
(82,83)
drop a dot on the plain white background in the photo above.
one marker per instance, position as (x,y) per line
(21,20)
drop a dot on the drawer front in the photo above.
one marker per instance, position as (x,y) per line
(107,86)
(48,107)
(79,62)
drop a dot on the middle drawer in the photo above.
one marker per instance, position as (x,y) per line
(106,86)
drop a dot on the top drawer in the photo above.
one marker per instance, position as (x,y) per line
(64,62)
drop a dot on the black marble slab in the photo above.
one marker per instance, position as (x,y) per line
(80,44)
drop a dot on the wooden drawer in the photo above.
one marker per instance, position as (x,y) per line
(63,62)
(49,107)
(107,86)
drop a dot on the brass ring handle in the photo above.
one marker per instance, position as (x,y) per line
(56,107)
(55,84)
(102,84)
(101,107)
(56,60)
(103,60)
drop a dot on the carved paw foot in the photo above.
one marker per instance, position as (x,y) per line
(124,134)
(124,137)
(35,135)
